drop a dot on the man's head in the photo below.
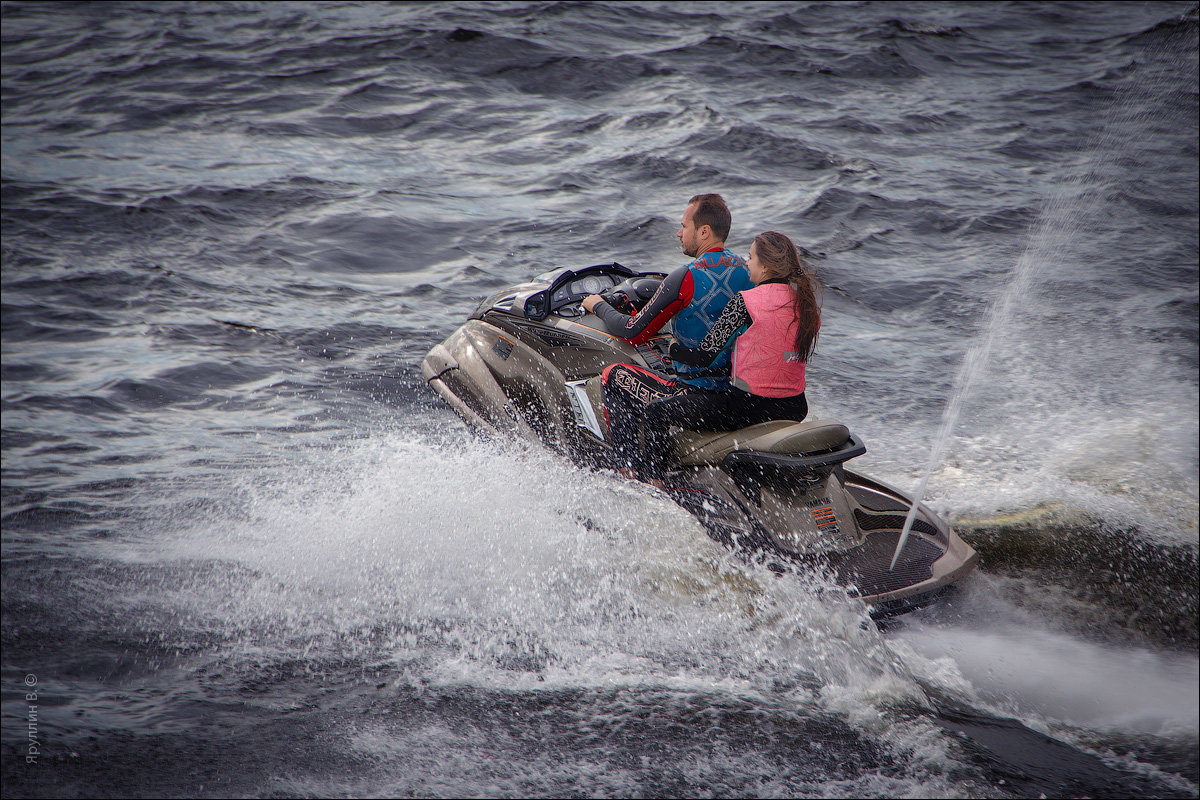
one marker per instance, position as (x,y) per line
(705,224)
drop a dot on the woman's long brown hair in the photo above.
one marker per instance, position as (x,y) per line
(780,259)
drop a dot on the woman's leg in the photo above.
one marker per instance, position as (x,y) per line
(697,409)
(761,409)
(692,408)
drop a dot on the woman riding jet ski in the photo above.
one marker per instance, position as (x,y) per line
(528,363)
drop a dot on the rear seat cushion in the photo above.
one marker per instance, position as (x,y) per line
(783,436)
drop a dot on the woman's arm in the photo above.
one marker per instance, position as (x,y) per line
(732,322)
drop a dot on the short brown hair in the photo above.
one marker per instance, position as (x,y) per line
(712,211)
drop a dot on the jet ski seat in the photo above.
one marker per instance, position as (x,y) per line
(780,440)
(783,437)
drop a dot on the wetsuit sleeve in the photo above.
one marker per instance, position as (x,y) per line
(730,325)
(673,293)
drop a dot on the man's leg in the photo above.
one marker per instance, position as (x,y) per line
(627,391)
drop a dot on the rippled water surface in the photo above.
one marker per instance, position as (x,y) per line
(247,552)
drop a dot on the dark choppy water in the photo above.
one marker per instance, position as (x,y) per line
(246,552)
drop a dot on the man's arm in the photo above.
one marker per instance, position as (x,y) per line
(732,322)
(673,293)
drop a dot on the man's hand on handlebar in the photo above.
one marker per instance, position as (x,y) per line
(589,302)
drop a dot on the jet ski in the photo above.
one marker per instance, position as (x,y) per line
(527,364)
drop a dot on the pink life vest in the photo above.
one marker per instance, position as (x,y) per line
(764,359)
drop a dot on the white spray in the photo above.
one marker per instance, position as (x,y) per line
(1060,224)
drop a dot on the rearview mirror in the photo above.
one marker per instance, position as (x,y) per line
(537,306)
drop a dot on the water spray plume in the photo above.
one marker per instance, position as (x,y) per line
(1060,224)
(975,359)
